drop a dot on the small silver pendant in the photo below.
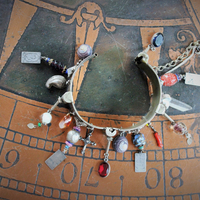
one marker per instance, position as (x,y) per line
(55,159)
(189,141)
(31,125)
(189,138)
(140,162)
(192,79)
(31,57)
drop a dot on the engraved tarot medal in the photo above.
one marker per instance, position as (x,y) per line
(54,160)
(140,162)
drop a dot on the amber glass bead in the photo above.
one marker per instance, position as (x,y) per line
(65,121)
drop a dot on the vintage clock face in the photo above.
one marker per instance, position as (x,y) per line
(108,91)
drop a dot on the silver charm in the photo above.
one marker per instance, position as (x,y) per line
(87,141)
(31,57)
(110,132)
(57,81)
(140,162)
(181,129)
(189,138)
(67,97)
(104,167)
(31,126)
(106,154)
(192,79)
(189,141)
(55,159)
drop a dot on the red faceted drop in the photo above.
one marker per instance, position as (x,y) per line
(170,79)
(104,169)
(65,121)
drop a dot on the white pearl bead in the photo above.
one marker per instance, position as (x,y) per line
(46,118)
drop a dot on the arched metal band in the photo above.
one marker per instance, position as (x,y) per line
(155,101)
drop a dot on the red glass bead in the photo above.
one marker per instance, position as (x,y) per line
(170,79)
(65,121)
(104,169)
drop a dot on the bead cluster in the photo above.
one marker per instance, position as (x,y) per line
(73,136)
(55,64)
(139,141)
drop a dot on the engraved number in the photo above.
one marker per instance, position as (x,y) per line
(8,158)
(91,184)
(176,177)
(74,173)
(158,179)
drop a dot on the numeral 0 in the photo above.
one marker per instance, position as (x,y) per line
(158,179)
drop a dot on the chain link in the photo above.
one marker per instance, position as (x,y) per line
(194,47)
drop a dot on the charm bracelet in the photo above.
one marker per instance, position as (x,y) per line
(158,105)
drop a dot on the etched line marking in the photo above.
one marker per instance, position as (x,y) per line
(121,178)
(91,184)
(148,23)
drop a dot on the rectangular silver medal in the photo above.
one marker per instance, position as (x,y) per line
(31,57)
(54,160)
(192,79)
(140,162)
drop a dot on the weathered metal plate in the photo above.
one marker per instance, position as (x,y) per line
(54,160)
(140,162)
(31,57)
(192,79)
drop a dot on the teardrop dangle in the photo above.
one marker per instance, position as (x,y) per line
(179,128)
(45,118)
(104,169)
(140,158)
(65,121)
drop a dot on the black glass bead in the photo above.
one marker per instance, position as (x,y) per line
(157,39)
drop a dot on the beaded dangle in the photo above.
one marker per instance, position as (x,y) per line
(140,158)
(73,136)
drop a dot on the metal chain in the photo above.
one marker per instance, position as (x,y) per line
(193,48)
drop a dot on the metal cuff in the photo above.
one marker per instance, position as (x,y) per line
(155,101)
